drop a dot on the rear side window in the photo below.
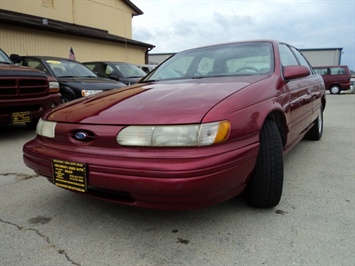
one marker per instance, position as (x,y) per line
(321,71)
(337,71)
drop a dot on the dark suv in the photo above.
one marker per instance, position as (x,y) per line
(25,93)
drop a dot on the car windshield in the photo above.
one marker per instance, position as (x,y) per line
(130,71)
(4,58)
(67,68)
(254,58)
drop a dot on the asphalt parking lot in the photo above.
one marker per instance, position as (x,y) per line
(314,224)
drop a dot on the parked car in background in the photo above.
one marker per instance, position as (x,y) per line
(204,126)
(126,73)
(336,78)
(147,68)
(75,80)
(25,93)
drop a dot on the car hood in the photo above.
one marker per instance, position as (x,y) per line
(90,83)
(14,70)
(133,80)
(151,103)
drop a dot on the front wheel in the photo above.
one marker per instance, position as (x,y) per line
(335,89)
(66,98)
(265,186)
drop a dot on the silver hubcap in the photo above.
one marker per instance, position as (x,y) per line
(334,89)
(320,123)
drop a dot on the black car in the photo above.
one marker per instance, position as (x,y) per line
(75,80)
(124,72)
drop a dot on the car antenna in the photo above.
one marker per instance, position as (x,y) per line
(24,49)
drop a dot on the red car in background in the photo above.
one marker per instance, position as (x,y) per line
(202,127)
(25,93)
(336,78)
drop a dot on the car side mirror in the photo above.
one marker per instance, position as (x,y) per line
(15,58)
(114,76)
(295,72)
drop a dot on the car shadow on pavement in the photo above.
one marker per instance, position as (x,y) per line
(15,131)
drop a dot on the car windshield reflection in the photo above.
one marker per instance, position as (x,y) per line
(68,69)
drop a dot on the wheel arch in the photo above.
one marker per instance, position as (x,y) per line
(323,103)
(279,118)
(334,84)
(67,90)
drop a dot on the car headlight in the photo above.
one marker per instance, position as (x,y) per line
(89,92)
(53,85)
(174,135)
(46,128)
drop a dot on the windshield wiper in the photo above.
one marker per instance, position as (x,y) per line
(149,80)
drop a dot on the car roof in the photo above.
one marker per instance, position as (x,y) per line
(107,62)
(236,42)
(46,57)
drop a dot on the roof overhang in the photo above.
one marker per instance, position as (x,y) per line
(45,24)
(133,7)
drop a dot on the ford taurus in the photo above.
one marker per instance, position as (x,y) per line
(201,128)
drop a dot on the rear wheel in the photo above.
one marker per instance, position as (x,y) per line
(316,132)
(335,89)
(265,186)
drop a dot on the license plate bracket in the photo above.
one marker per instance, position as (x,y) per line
(21,117)
(70,175)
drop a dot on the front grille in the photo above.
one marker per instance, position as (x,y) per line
(112,195)
(17,87)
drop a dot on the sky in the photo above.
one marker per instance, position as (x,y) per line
(177,25)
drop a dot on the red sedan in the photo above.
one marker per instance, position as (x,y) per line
(204,126)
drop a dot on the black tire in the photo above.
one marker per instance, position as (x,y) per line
(265,186)
(66,97)
(316,131)
(335,89)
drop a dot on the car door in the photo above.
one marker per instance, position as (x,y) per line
(300,101)
(316,87)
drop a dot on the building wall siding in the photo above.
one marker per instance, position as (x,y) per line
(111,15)
(35,42)
(326,57)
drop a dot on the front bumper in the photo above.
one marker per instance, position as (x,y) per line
(204,177)
(36,106)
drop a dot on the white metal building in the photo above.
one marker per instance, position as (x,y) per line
(323,56)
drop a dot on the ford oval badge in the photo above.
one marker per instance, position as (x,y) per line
(81,135)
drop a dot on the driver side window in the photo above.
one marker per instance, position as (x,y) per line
(109,70)
(286,56)
(301,58)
